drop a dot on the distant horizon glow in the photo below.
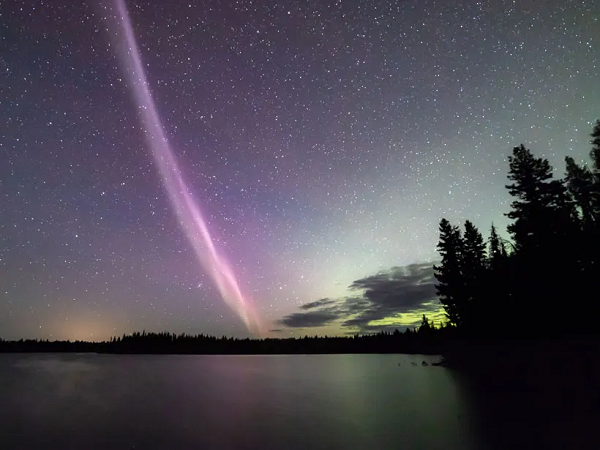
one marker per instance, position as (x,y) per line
(188,212)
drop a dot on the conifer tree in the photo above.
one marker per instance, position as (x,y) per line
(450,287)
(545,230)
(473,267)
(474,254)
(595,190)
(425,325)
(580,183)
(497,251)
(530,189)
(595,152)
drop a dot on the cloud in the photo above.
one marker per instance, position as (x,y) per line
(330,311)
(276,330)
(387,298)
(310,319)
(317,303)
(398,291)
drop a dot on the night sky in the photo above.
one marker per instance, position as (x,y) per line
(321,141)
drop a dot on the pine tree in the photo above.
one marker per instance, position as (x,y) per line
(531,216)
(530,188)
(580,183)
(497,251)
(497,283)
(595,152)
(473,266)
(425,325)
(590,242)
(545,230)
(595,189)
(474,254)
(594,195)
(450,287)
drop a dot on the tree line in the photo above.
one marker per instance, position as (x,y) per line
(422,340)
(544,280)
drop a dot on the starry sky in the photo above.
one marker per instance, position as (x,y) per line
(322,141)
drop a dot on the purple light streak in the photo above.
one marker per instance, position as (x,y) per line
(188,212)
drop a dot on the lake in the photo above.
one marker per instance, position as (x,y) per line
(257,402)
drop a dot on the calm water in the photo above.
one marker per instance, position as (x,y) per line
(263,402)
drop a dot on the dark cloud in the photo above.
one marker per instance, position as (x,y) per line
(276,330)
(400,290)
(334,310)
(310,319)
(317,303)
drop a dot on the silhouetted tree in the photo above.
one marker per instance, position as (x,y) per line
(473,268)
(425,325)
(584,187)
(474,254)
(497,250)
(544,229)
(450,287)
(595,152)
(580,182)
(595,172)
(530,188)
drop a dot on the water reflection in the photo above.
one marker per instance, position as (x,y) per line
(267,402)
(542,411)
